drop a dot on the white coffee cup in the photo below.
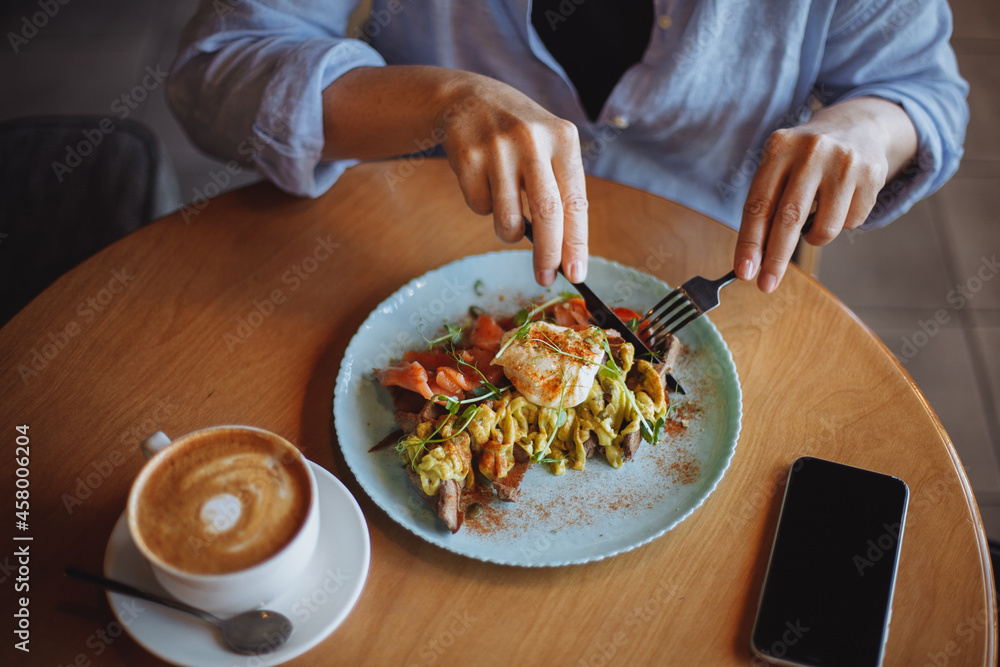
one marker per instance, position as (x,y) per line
(227,517)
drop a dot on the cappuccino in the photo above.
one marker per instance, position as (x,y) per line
(221,502)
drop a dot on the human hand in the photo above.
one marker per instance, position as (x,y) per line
(499,142)
(840,160)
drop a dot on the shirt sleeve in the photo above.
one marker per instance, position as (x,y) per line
(248,80)
(900,52)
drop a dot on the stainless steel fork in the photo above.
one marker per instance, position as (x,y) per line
(679,308)
(688,302)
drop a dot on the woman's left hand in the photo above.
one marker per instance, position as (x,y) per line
(840,159)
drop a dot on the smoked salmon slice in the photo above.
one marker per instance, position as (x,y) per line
(431,372)
(571,312)
(454,380)
(408,375)
(412,376)
(486,333)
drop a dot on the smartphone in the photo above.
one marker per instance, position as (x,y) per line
(827,596)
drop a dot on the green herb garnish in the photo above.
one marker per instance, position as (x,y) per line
(560,422)
(453,407)
(652,437)
(487,389)
(452,334)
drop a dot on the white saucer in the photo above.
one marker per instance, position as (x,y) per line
(326,592)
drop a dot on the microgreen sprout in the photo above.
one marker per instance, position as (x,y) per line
(453,406)
(546,341)
(652,437)
(523,321)
(479,287)
(611,371)
(538,458)
(647,355)
(491,390)
(560,421)
(452,334)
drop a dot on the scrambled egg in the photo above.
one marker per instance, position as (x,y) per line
(557,435)
(567,399)
(452,459)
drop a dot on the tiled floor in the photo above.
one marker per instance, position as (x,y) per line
(906,282)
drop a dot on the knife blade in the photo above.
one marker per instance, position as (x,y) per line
(605,318)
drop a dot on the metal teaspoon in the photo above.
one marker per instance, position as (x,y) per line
(251,632)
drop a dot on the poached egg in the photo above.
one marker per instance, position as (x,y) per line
(552,366)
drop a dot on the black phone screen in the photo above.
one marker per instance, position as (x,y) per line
(828,590)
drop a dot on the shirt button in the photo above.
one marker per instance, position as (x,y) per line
(664,21)
(621,122)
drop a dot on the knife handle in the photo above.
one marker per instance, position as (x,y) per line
(529,232)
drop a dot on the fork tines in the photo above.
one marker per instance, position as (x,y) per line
(691,300)
(672,313)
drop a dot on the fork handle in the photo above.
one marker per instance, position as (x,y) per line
(725,280)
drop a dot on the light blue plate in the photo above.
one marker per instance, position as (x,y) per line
(574,518)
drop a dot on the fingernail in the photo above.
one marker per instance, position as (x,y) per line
(545,277)
(576,273)
(745,269)
(768,283)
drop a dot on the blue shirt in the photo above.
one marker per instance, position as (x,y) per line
(688,122)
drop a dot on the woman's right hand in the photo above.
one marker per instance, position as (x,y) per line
(499,143)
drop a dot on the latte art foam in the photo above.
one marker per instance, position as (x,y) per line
(223,504)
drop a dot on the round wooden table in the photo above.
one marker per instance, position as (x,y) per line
(157,333)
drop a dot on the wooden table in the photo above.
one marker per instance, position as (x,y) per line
(146,336)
